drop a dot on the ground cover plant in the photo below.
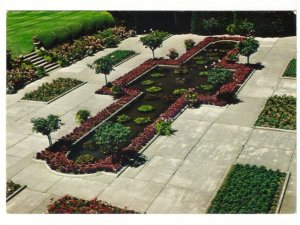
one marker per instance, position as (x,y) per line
(72,205)
(11,187)
(248,189)
(279,112)
(49,91)
(23,25)
(116,56)
(291,70)
(167,106)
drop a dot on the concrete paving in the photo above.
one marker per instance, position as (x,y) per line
(184,170)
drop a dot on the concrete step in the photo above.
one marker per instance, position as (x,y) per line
(41,64)
(53,67)
(29,55)
(38,60)
(33,57)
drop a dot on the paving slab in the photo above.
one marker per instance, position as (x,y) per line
(78,187)
(13,138)
(198,175)
(26,201)
(227,133)
(20,165)
(12,160)
(37,177)
(131,193)
(271,158)
(286,87)
(205,113)
(214,152)
(177,200)
(159,169)
(272,139)
(190,128)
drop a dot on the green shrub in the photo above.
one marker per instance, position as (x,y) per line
(219,76)
(116,56)
(76,30)
(207,87)
(82,115)
(279,112)
(248,189)
(291,69)
(146,108)
(180,91)
(47,39)
(157,75)
(147,82)
(87,158)
(163,127)
(123,118)
(154,89)
(203,73)
(63,34)
(142,120)
(111,41)
(189,44)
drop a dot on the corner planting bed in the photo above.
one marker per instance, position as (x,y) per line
(249,189)
(57,156)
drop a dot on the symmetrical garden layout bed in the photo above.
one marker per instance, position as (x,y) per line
(59,156)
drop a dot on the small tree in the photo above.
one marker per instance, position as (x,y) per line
(46,126)
(153,41)
(247,47)
(111,135)
(102,65)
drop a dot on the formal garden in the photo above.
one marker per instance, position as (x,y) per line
(148,88)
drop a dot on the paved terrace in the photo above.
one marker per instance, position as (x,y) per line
(183,171)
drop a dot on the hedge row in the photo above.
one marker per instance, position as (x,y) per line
(87,26)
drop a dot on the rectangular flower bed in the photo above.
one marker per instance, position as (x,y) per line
(279,112)
(291,69)
(56,156)
(117,56)
(248,189)
(50,91)
(73,205)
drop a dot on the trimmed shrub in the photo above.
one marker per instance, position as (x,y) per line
(82,115)
(147,82)
(142,120)
(154,89)
(47,39)
(123,118)
(146,108)
(85,158)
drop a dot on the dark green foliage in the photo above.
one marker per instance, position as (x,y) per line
(291,69)
(189,44)
(279,112)
(116,56)
(111,41)
(163,127)
(85,159)
(104,66)
(146,108)
(142,120)
(110,135)
(49,91)
(47,38)
(207,87)
(46,126)
(123,118)
(248,47)
(248,189)
(203,73)
(11,187)
(82,115)
(219,76)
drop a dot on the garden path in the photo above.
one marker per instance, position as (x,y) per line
(183,171)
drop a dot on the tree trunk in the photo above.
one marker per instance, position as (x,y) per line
(153,53)
(248,59)
(49,139)
(105,79)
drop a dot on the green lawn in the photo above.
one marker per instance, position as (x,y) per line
(22,25)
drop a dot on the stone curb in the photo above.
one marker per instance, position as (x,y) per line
(280,201)
(274,129)
(288,78)
(16,192)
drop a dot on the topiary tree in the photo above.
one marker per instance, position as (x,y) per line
(102,65)
(247,47)
(153,41)
(82,115)
(110,136)
(46,126)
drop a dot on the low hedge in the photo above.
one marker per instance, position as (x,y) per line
(87,26)
(116,56)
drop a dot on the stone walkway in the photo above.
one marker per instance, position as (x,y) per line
(183,171)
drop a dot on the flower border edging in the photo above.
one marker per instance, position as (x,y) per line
(15,193)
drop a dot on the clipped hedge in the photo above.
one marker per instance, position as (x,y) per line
(87,26)
(291,69)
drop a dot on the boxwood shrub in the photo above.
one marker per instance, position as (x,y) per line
(291,70)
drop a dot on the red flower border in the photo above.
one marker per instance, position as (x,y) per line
(56,156)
